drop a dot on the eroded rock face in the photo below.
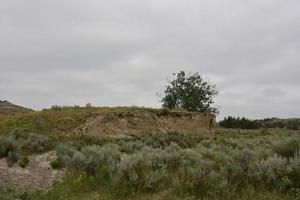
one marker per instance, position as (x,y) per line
(118,124)
(37,175)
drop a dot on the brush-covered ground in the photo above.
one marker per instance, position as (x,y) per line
(232,164)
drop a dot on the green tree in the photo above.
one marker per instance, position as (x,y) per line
(190,92)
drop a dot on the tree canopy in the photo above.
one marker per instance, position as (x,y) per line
(190,92)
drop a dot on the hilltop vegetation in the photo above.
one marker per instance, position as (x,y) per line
(59,122)
(49,121)
(54,121)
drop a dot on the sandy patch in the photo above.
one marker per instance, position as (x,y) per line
(37,175)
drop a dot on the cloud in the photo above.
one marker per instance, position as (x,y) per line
(273,92)
(121,52)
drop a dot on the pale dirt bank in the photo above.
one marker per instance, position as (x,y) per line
(37,175)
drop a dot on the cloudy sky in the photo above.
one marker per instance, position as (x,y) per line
(120,52)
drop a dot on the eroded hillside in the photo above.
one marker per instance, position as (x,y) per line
(139,121)
(115,122)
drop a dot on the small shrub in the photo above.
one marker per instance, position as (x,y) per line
(93,157)
(131,170)
(130,146)
(27,141)
(12,157)
(78,161)
(294,172)
(287,149)
(64,153)
(272,170)
(171,156)
(89,158)
(6,145)
(55,164)
(110,156)
(7,193)
(243,159)
(199,180)
(38,143)
(23,162)
(153,178)
(9,149)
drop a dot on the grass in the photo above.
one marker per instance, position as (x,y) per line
(60,121)
(47,122)
(84,187)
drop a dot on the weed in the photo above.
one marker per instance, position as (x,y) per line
(24,160)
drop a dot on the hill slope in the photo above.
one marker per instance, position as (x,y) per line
(7,108)
(116,122)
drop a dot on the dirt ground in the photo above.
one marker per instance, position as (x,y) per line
(37,175)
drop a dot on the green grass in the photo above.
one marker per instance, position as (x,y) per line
(48,122)
(84,187)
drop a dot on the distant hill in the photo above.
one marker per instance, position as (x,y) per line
(7,108)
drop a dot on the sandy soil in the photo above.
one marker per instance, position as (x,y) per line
(37,175)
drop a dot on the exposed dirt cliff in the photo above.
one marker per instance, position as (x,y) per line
(118,124)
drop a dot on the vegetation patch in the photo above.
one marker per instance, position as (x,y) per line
(233,164)
(224,166)
(20,142)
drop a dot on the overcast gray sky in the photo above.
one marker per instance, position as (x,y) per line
(120,52)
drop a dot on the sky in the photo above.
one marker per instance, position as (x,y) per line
(121,52)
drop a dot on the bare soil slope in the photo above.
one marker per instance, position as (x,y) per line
(110,122)
(37,175)
(140,121)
